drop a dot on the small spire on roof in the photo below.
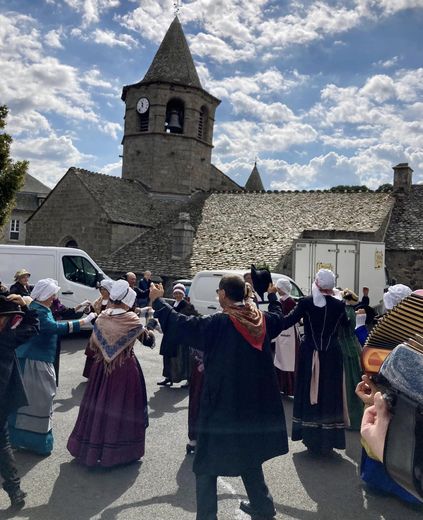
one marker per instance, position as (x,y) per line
(254,182)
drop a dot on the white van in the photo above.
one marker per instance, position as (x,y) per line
(203,290)
(76,273)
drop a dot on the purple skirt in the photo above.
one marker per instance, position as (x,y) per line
(110,428)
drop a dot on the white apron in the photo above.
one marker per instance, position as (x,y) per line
(285,350)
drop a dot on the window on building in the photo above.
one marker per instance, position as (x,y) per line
(202,124)
(175,113)
(40,200)
(14,229)
(79,270)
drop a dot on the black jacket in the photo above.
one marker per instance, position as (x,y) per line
(170,342)
(12,391)
(241,419)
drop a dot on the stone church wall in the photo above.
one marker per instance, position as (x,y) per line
(406,267)
(70,214)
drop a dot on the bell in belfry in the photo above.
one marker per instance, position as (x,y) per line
(174,124)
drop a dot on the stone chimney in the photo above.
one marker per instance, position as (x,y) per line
(403,177)
(183,237)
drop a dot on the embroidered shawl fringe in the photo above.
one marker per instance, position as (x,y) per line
(116,362)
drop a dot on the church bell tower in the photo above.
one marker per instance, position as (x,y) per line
(169,120)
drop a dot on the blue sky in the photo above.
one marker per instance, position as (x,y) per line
(321,92)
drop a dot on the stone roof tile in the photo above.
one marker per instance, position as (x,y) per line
(233,230)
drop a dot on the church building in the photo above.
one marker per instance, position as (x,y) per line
(173,212)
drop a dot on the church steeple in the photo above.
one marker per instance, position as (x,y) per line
(173,61)
(254,182)
(169,122)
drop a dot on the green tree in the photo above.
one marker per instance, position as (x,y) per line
(344,187)
(385,188)
(12,174)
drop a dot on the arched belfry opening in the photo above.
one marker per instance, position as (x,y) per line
(175,114)
(203,123)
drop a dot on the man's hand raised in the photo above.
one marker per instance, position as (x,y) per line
(156,291)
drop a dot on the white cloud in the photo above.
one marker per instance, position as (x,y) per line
(111,39)
(93,79)
(216,48)
(49,156)
(91,10)
(235,30)
(114,169)
(271,112)
(387,64)
(52,39)
(241,138)
(379,88)
(115,130)
(270,81)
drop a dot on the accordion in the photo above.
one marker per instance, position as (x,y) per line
(403,323)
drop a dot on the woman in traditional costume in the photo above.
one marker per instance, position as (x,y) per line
(31,426)
(351,350)
(318,418)
(287,343)
(112,418)
(176,357)
(98,307)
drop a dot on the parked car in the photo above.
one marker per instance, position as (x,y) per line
(204,285)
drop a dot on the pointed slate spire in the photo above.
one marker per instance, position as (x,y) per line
(173,61)
(254,182)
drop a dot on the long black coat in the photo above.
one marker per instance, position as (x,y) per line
(170,342)
(12,391)
(241,420)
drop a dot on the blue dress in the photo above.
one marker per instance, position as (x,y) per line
(30,426)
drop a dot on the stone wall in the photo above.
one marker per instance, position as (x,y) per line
(406,267)
(71,213)
(168,162)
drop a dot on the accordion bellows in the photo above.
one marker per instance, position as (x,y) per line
(404,323)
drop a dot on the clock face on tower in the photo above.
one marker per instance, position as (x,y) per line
(143,105)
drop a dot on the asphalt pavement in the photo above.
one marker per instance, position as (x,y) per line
(162,486)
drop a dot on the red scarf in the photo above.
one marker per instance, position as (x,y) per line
(249,322)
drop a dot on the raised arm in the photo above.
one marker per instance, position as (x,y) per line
(189,330)
(276,322)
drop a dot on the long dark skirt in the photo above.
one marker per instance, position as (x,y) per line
(319,426)
(195,389)
(178,368)
(110,428)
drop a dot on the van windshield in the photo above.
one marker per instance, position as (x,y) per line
(78,269)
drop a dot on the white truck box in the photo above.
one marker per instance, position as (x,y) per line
(204,284)
(356,264)
(76,273)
